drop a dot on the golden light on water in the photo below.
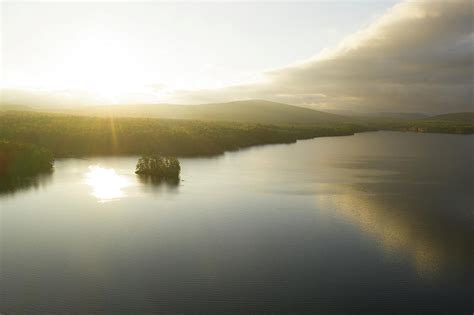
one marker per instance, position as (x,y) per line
(393,229)
(106,184)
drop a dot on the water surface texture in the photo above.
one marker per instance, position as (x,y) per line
(374,222)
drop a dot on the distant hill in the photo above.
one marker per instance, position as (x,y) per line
(465,117)
(5,107)
(253,111)
(389,115)
(403,116)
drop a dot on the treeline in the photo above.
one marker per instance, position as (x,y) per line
(23,160)
(20,164)
(437,126)
(454,126)
(66,135)
(80,136)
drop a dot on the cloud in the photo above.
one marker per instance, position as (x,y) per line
(416,57)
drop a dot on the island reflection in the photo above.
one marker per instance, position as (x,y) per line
(153,184)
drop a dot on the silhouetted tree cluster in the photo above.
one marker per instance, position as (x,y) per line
(158,167)
(23,160)
(22,165)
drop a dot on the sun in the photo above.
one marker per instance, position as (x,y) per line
(100,65)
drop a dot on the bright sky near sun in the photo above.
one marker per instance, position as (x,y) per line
(116,49)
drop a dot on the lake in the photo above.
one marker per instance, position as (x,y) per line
(376,222)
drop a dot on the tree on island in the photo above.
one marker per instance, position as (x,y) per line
(158,167)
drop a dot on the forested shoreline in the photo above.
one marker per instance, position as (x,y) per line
(423,126)
(66,135)
(69,135)
(21,163)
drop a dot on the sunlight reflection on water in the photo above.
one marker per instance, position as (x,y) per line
(106,184)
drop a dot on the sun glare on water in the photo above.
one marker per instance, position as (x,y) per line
(106,184)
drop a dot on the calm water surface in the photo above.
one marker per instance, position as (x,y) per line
(374,222)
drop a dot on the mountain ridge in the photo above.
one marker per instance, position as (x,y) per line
(464,117)
(245,111)
(251,111)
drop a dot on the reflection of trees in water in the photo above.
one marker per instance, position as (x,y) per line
(23,166)
(12,184)
(159,184)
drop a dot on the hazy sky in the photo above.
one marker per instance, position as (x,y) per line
(414,57)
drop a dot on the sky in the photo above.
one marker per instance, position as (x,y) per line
(411,56)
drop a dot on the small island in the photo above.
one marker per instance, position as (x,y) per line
(158,167)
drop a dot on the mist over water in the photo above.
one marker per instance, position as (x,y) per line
(371,222)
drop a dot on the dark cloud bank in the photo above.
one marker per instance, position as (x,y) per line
(418,57)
